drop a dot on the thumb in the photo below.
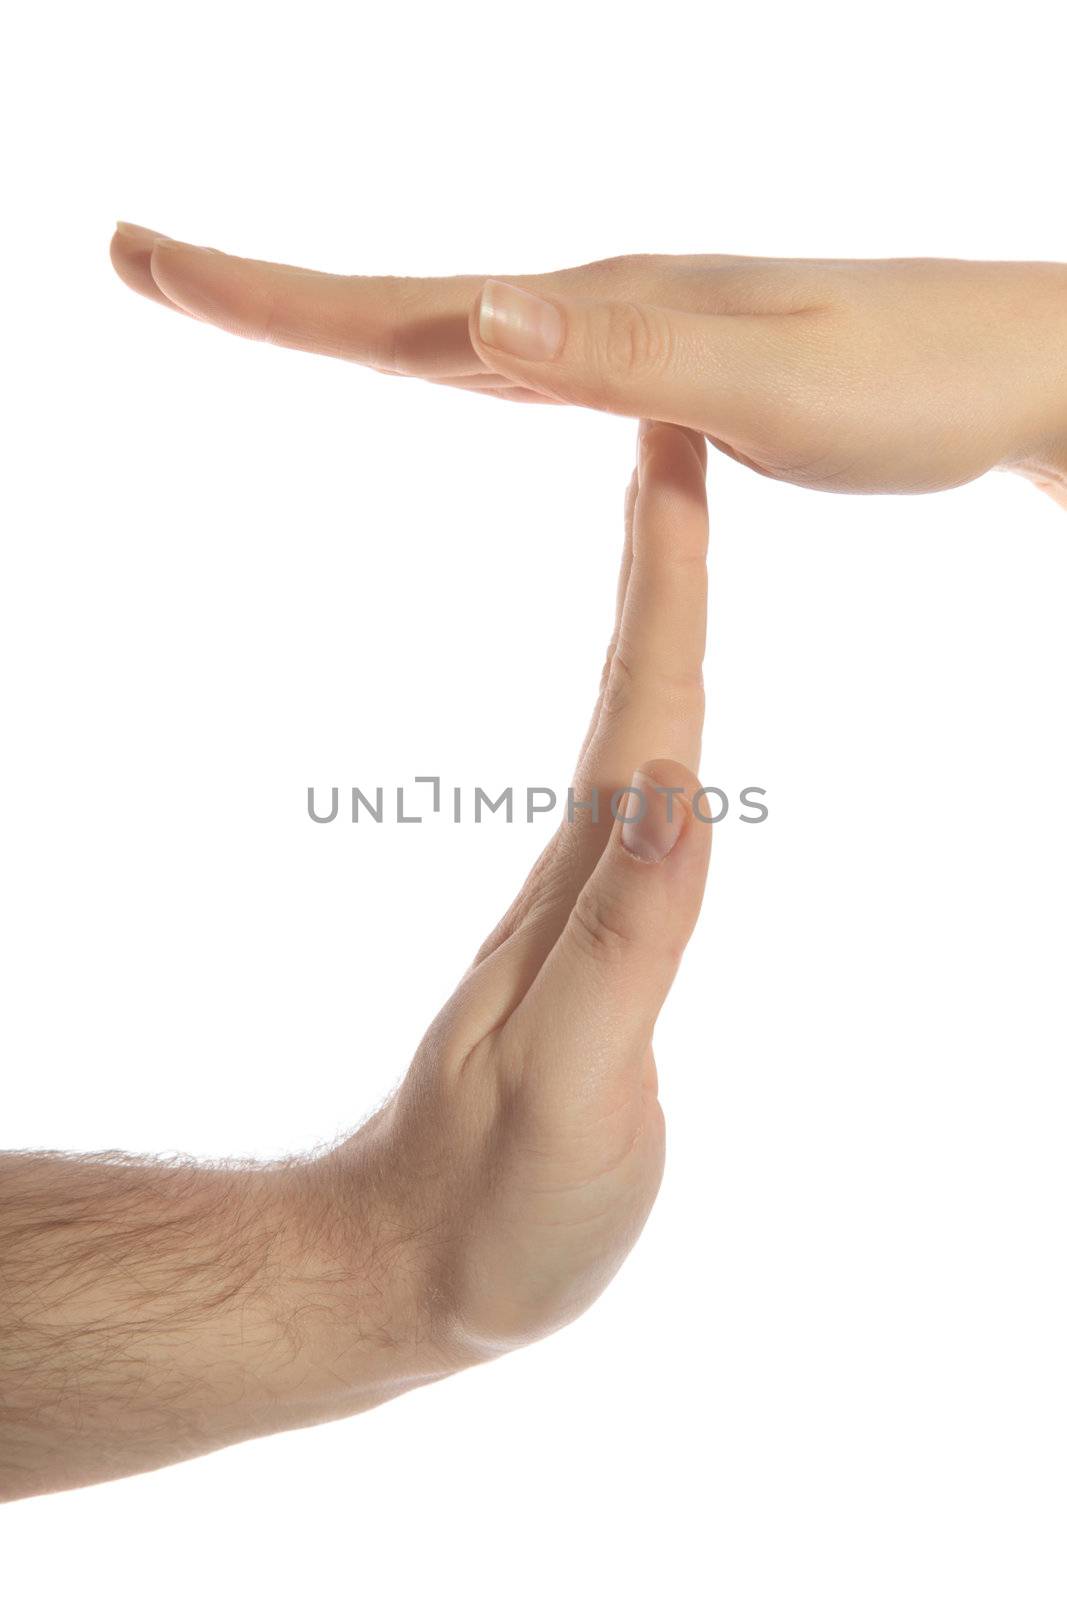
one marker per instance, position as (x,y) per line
(713,373)
(598,994)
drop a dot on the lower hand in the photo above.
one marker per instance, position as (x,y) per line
(154,1310)
(523,1152)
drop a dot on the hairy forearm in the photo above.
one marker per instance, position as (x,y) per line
(151,1311)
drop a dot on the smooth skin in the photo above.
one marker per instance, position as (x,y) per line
(154,1311)
(898,376)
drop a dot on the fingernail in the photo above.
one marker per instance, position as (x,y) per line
(653,819)
(518,323)
(138,235)
(180,247)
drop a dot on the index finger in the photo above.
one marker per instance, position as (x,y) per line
(654,694)
(652,698)
(415,326)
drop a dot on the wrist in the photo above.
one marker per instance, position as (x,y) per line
(381,1328)
(1040,446)
(1048,474)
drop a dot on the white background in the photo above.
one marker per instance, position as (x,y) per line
(834,1366)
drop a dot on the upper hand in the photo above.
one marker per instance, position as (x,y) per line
(878,376)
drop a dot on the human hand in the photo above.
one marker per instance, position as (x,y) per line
(156,1310)
(523,1152)
(896,376)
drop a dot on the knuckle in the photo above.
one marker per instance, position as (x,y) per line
(635,341)
(619,686)
(266,325)
(601,927)
(675,688)
(620,272)
(607,273)
(395,344)
(605,672)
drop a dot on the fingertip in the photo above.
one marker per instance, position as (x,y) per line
(478,317)
(672,500)
(513,323)
(131,250)
(662,812)
(653,821)
(666,446)
(664,769)
(120,253)
(669,774)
